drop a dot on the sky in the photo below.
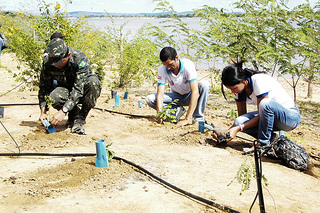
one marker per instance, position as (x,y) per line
(124,6)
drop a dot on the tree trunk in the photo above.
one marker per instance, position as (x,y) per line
(309,95)
(294,90)
(311,77)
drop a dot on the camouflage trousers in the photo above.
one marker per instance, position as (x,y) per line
(92,90)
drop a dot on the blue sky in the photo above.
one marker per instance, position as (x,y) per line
(124,6)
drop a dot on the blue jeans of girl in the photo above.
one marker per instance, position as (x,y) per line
(272,117)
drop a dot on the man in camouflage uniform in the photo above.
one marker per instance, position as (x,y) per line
(66,80)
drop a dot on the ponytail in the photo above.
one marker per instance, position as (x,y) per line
(234,74)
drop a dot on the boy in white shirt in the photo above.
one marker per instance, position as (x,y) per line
(182,78)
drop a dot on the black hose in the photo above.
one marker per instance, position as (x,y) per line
(21,82)
(97,108)
(49,154)
(15,87)
(203,200)
(138,116)
(208,202)
(11,136)
(258,167)
(315,157)
(21,104)
(122,113)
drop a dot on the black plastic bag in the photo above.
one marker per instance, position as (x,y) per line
(292,154)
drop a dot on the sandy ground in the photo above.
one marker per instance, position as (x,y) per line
(181,156)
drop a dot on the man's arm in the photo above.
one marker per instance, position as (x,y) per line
(193,103)
(160,94)
(44,89)
(43,115)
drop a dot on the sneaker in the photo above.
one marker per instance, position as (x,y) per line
(72,116)
(266,148)
(271,154)
(274,137)
(78,127)
(179,112)
(268,151)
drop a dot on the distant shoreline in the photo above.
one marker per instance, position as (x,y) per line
(117,17)
(127,17)
(106,14)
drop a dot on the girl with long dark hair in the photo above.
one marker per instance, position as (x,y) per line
(276,110)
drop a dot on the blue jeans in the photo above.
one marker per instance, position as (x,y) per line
(184,100)
(272,117)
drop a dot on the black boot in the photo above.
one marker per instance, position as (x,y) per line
(72,116)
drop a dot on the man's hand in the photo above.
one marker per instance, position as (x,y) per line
(159,120)
(184,122)
(57,118)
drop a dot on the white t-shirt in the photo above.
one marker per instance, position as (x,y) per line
(178,83)
(262,85)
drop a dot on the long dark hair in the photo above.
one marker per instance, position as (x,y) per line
(234,74)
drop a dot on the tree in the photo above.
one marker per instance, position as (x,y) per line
(174,32)
(265,34)
(307,19)
(138,60)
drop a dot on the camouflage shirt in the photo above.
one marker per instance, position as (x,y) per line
(72,76)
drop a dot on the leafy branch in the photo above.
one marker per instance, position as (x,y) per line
(168,112)
(245,174)
(110,154)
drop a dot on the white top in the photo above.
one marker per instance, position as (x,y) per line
(178,83)
(262,85)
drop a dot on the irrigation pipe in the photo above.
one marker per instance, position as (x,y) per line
(11,136)
(132,115)
(20,104)
(203,200)
(49,154)
(21,82)
(122,113)
(15,87)
(97,108)
(144,171)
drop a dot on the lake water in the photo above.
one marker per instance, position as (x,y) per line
(132,25)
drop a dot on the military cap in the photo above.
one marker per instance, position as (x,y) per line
(57,49)
(56,35)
